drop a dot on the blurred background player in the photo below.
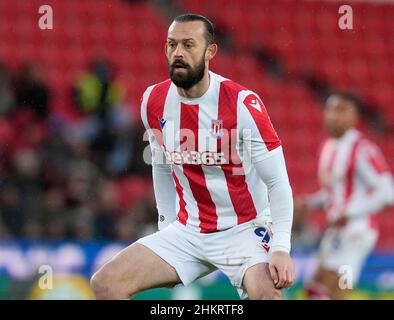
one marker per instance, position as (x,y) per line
(355,185)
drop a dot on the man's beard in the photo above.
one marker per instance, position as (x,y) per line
(191,77)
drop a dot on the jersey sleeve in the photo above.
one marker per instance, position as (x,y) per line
(373,171)
(255,126)
(150,133)
(317,200)
(163,183)
(265,152)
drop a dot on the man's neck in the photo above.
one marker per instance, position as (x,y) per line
(343,134)
(198,89)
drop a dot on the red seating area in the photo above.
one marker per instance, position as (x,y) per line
(304,34)
(306,37)
(126,34)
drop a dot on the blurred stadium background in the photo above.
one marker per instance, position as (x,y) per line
(73,187)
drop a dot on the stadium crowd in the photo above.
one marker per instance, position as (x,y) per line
(63,179)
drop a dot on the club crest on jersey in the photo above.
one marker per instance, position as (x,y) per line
(217,128)
(162,123)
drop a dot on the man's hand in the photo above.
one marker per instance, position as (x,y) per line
(301,210)
(340,222)
(282,269)
(300,205)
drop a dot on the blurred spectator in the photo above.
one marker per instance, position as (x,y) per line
(96,91)
(140,220)
(82,179)
(12,209)
(31,91)
(59,178)
(7,98)
(106,211)
(81,221)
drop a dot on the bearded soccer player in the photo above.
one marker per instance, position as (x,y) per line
(222,162)
(355,185)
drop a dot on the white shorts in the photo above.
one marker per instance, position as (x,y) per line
(194,254)
(346,249)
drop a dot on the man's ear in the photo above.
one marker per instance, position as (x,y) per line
(211,51)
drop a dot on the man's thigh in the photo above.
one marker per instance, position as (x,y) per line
(137,268)
(181,250)
(163,259)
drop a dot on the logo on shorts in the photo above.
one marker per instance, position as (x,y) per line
(162,218)
(264,234)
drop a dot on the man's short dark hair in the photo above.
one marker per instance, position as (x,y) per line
(350,97)
(209,27)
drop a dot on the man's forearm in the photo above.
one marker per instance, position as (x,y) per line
(281,205)
(317,200)
(381,196)
(274,174)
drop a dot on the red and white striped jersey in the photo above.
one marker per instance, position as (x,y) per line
(209,142)
(354,177)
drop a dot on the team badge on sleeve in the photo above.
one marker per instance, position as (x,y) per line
(254,102)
